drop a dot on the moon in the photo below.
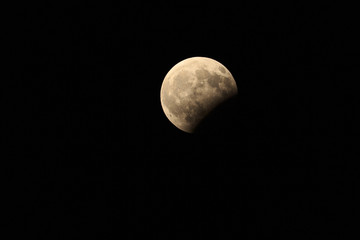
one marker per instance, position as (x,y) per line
(193,88)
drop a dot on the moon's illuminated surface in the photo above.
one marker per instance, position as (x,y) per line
(193,88)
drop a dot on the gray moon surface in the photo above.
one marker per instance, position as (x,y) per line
(193,88)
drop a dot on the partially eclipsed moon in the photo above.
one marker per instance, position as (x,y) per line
(193,88)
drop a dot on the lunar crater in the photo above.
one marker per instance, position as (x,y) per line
(222,69)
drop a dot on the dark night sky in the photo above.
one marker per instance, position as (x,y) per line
(90,148)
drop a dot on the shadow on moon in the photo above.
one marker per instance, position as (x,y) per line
(223,120)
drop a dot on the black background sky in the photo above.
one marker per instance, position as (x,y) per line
(93,155)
